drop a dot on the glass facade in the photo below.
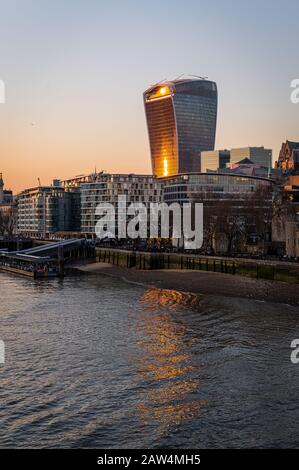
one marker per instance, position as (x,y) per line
(258,155)
(214,160)
(181,119)
(47,209)
(213,188)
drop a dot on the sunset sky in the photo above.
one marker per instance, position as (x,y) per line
(75,72)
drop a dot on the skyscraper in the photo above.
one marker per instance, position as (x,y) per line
(181,119)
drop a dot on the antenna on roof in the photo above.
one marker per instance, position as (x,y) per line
(191,75)
(180,76)
(198,76)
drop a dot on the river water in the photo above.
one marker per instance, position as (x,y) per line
(92,361)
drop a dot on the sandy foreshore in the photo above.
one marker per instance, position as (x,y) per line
(205,283)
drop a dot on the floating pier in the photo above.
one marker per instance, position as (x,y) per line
(43,261)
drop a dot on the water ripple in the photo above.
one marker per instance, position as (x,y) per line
(95,362)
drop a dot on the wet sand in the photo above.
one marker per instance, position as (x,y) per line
(200,282)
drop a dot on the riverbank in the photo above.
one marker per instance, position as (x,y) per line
(200,282)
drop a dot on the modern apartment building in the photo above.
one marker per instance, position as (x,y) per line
(181,120)
(45,210)
(72,186)
(75,182)
(106,187)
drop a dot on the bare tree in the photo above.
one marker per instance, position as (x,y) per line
(7,223)
(236,217)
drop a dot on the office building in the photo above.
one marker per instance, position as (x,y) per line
(214,160)
(236,208)
(259,155)
(221,159)
(181,120)
(211,187)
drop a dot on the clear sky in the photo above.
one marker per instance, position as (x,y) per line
(75,71)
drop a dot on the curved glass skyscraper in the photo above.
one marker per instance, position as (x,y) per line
(181,119)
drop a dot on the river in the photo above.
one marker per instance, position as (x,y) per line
(93,361)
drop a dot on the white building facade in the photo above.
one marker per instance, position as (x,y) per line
(106,188)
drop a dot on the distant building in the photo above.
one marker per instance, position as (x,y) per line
(291,188)
(214,160)
(258,155)
(73,187)
(181,120)
(277,174)
(8,210)
(220,159)
(106,187)
(75,182)
(289,157)
(6,196)
(45,210)
(245,167)
(9,215)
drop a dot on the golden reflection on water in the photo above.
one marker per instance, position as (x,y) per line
(170,298)
(166,360)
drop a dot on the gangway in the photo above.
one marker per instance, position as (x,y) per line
(53,247)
